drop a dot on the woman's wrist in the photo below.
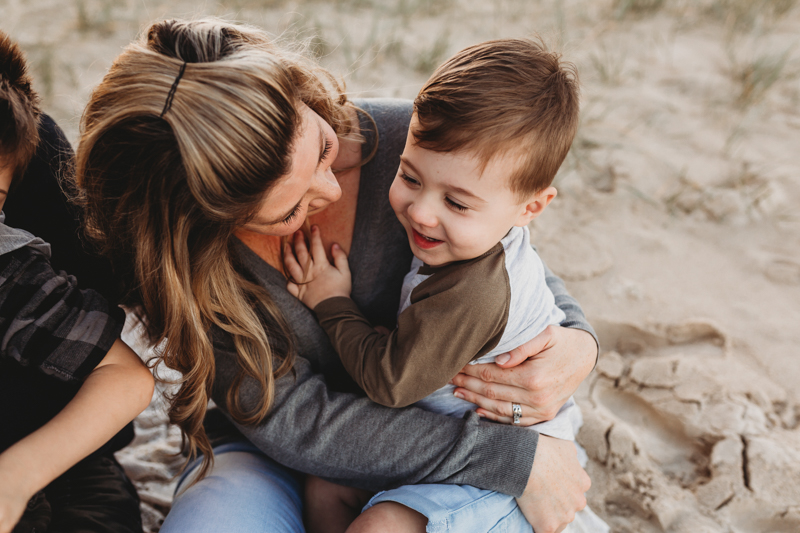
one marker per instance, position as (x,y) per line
(502,458)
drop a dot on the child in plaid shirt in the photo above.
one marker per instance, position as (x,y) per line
(50,327)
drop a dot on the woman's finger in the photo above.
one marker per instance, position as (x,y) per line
(490,415)
(539,343)
(500,409)
(522,353)
(488,389)
(516,376)
(525,421)
(317,249)
(340,259)
(512,358)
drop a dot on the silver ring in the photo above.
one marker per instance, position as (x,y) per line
(517,410)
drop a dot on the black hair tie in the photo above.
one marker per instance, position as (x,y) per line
(171,95)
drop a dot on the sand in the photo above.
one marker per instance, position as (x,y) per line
(676,223)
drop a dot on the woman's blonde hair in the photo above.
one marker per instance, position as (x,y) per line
(165,186)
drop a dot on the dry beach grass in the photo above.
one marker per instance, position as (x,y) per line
(676,225)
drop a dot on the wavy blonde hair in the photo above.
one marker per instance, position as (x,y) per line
(163,195)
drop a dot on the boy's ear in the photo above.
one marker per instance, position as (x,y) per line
(536,205)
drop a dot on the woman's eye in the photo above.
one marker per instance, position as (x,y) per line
(326,151)
(455,205)
(288,220)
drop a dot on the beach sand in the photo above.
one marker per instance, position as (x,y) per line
(676,225)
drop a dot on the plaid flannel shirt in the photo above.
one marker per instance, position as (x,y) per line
(47,322)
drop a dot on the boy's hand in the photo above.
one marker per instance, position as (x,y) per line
(313,277)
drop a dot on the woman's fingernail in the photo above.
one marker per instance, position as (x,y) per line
(481,415)
(458,395)
(335,246)
(502,359)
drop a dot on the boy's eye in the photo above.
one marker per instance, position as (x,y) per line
(455,205)
(408,179)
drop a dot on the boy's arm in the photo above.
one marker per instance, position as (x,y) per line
(117,390)
(456,315)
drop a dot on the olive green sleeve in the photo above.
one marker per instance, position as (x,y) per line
(455,316)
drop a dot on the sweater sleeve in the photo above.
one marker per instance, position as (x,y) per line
(352,441)
(457,314)
(48,323)
(564,301)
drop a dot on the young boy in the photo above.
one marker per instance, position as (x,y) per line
(50,331)
(489,132)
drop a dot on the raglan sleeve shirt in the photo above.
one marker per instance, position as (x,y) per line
(456,315)
(48,323)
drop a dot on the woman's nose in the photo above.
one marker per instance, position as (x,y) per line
(327,187)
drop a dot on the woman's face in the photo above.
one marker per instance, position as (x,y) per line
(310,184)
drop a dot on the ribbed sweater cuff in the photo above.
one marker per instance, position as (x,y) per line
(503,457)
(334,305)
(585,326)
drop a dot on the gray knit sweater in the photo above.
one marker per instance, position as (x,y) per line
(317,425)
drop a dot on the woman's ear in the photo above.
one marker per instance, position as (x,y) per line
(535,205)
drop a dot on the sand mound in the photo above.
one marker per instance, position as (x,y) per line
(682,437)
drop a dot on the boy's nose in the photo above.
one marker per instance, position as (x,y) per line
(421,215)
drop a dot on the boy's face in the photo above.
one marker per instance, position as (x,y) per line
(452,212)
(6,173)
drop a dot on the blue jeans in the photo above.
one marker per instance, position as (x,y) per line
(245,492)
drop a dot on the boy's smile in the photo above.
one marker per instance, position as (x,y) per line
(450,209)
(424,242)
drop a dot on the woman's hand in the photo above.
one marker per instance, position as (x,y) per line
(313,277)
(540,375)
(556,488)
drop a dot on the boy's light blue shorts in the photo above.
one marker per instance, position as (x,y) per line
(459,508)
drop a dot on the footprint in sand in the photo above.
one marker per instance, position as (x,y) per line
(684,437)
(578,257)
(783,271)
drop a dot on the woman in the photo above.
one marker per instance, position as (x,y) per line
(202,147)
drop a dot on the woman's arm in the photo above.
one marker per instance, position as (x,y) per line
(350,440)
(117,390)
(541,374)
(353,441)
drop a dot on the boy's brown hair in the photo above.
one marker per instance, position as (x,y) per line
(19,109)
(509,97)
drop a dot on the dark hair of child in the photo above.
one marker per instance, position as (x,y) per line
(19,109)
(509,97)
